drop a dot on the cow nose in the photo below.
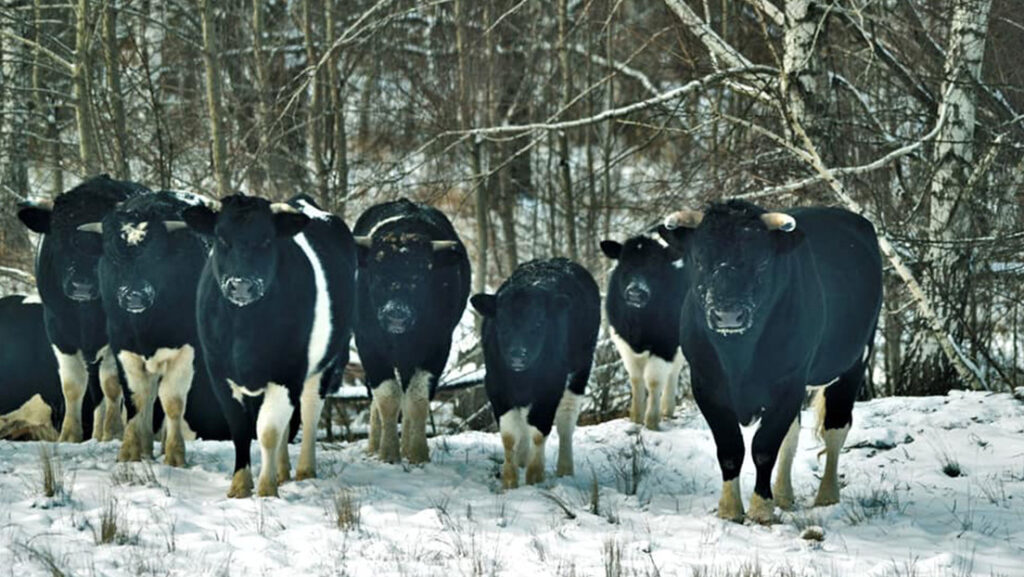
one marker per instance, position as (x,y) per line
(637,294)
(396,317)
(241,291)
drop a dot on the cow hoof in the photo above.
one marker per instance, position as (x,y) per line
(565,470)
(390,454)
(283,476)
(534,475)
(823,500)
(303,474)
(175,459)
(783,497)
(653,424)
(241,485)
(418,455)
(509,476)
(761,511)
(267,488)
(70,435)
(129,451)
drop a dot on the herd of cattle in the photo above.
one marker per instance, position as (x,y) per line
(238,311)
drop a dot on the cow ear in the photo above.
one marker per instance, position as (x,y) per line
(676,238)
(36,216)
(289,224)
(787,241)
(485,304)
(611,249)
(200,218)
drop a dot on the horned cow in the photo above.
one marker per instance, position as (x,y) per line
(775,302)
(412,288)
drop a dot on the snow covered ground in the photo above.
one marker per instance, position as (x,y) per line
(902,512)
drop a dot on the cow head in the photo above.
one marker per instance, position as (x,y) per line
(245,231)
(75,253)
(732,252)
(399,269)
(641,270)
(524,320)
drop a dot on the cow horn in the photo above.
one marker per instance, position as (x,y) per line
(364,241)
(96,227)
(173,225)
(443,244)
(684,219)
(283,207)
(779,221)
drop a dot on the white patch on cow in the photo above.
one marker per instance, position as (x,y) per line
(415,409)
(782,490)
(271,425)
(310,404)
(730,505)
(313,212)
(386,221)
(320,333)
(565,422)
(73,378)
(110,422)
(828,491)
(239,391)
(33,421)
(387,397)
(680,263)
(192,198)
(515,439)
(133,234)
(653,382)
(176,370)
(32,299)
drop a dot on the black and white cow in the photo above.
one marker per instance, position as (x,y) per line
(776,302)
(275,308)
(645,294)
(148,272)
(412,288)
(69,287)
(28,370)
(539,334)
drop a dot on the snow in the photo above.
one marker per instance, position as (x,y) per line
(900,513)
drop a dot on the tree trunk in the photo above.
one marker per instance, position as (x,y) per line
(88,151)
(314,109)
(336,125)
(213,98)
(563,137)
(14,246)
(264,180)
(112,62)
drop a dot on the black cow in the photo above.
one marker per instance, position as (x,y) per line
(275,311)
(776,302)
(539,334)
(645,294)
(149,271)
(28,369)
(68,285)
(411,292)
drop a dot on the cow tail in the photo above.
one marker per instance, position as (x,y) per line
(818,402)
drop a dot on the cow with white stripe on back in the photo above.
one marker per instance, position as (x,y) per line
(274,308)
(412,289)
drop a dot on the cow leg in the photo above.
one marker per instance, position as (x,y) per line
(565,421)
(729,443)
(388,398)
(775,424)
(415,409)
(668,396)
(535,465)
(284,464)
(74,376)
(274,417)
(138,436)
(241,436)
(178,372)
(311,405)
(657,374)
(111,427)
(634,364)
(373,442)
(513,438)
(783,487)
(835,415)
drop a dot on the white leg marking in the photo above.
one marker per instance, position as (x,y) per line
(565,422)
(74,377)
(320,333)
(415,409)
(272,421)
(782,490)
(138,436)
(178,368)
(656,374)
(388,398)
(730,506)
(828,491)
(373,442)
(514,432)
(635,364)
(668,396)
(761,510)
(311,404)
(111,426)
(535,466)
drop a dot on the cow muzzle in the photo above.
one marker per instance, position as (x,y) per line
(637,294)
(732,319)
(242,291)
(518,358)
(80,289)
(136,299)
(396,317)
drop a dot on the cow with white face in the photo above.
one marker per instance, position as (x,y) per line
(275,307)
(412,289)
(149,271)
(66,274)
(645,294)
